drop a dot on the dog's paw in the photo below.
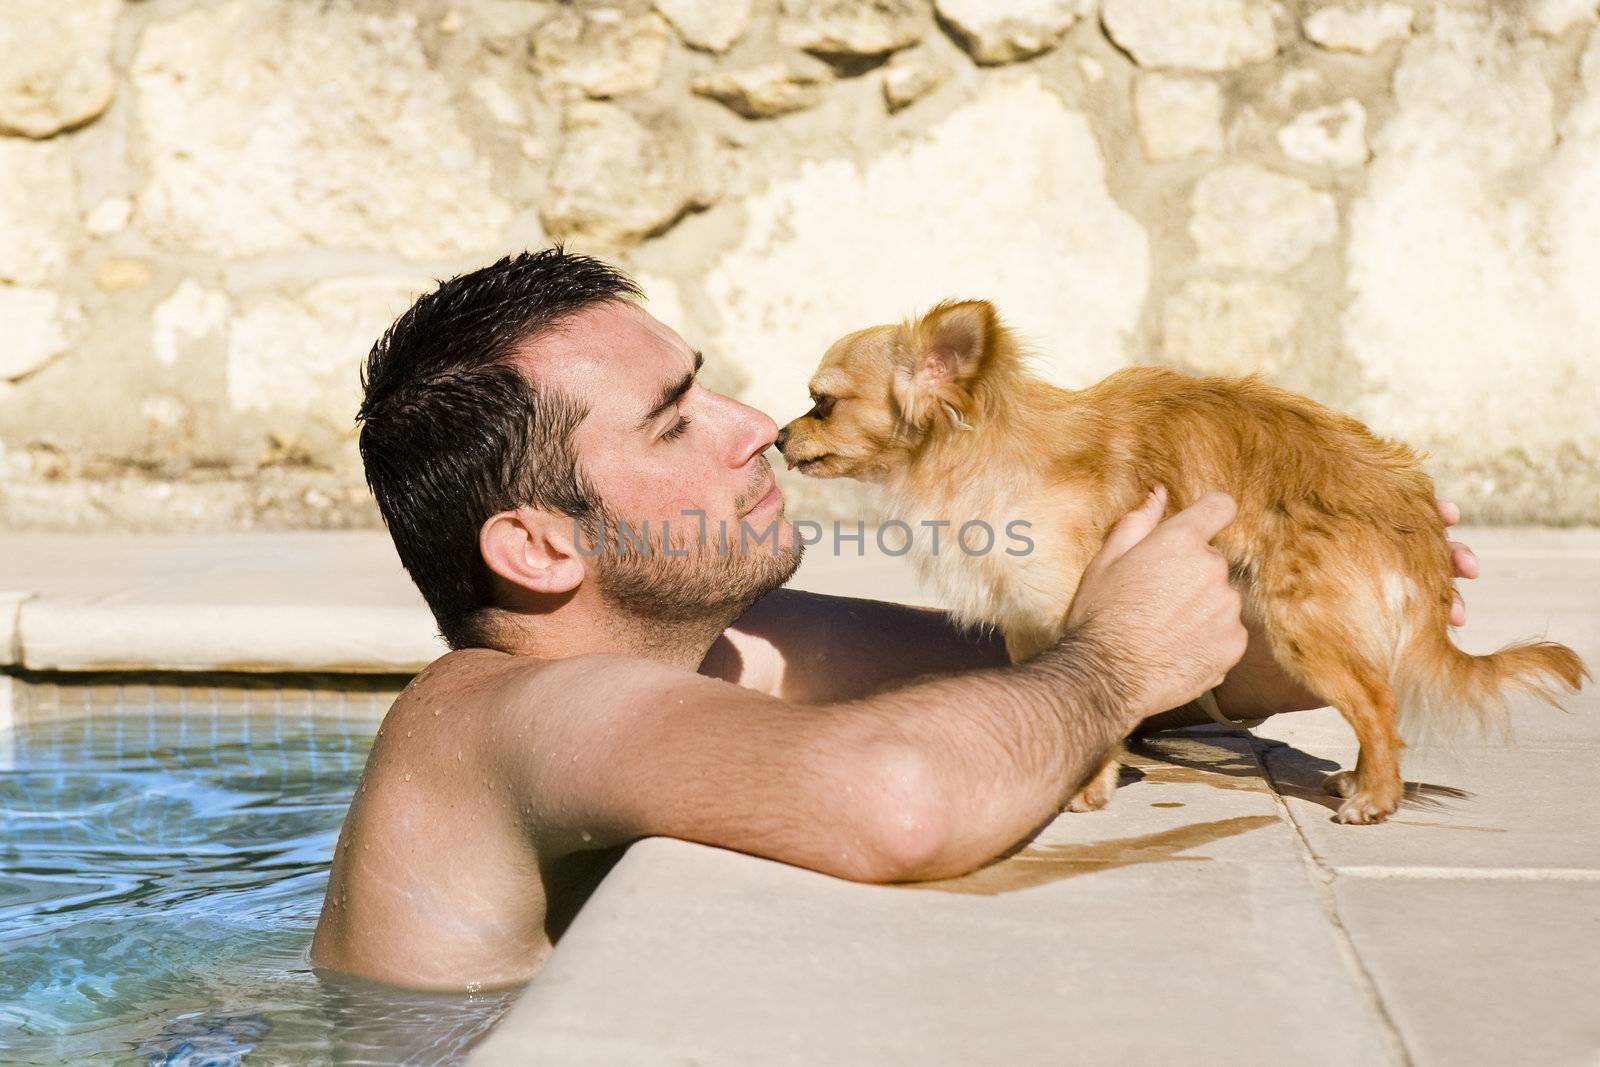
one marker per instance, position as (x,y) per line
(1340,784)
(1364,809)
(1096,793)
(1089,798)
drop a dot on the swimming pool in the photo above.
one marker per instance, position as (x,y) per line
(163,857)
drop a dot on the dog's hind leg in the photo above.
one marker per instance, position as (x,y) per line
(1314,640)
(1366,700)
(1373,791)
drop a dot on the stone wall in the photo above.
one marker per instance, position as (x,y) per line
(209,210)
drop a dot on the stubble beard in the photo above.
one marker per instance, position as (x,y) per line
(709,578)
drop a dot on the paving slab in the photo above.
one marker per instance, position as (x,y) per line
(1482,971)
(1531,808)
(1180,924)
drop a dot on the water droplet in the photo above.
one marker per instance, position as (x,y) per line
(436,713)
(408,776)
(459,757)
(408,733)
(474,987)
(587,836)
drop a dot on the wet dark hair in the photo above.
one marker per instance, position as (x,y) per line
(453,431)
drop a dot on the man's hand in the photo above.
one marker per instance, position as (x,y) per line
(1466,562)
(1157,593)
(1259,685)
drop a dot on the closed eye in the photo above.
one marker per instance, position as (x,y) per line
(822,406)
(676,430)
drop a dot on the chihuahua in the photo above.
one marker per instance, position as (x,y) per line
(1337,548)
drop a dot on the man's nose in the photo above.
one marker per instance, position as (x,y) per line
(783,438)
(752,431)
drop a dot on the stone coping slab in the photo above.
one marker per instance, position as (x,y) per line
(1179,925)
(77,635)
(311,601)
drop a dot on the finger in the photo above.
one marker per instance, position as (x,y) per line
(1206,516)
(1458,609)
(1464,559)
(1448,512)
(1133,527)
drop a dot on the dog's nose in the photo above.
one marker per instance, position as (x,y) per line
(783,438)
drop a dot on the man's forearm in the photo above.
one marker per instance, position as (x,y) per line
(1003,746)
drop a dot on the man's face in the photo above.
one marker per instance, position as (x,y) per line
(668,456)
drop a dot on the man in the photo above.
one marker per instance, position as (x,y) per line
(518,424)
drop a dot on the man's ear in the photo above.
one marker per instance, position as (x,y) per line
(950,347)
(534,550)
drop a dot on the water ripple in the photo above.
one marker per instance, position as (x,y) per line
(158,888)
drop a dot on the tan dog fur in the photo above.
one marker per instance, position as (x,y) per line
(1337,547)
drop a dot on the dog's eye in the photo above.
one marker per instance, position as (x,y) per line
(823,406)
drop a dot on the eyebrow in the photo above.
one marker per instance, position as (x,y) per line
(671,393)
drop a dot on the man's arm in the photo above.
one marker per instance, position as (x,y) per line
(928,780)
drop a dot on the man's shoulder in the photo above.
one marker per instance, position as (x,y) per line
(490,684)
(482,670)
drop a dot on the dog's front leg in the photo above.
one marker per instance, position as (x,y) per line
(1026,642)
(1096,792)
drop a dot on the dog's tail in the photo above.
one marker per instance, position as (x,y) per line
(1440,689)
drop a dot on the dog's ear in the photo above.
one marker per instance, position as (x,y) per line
(954,340)
(949,348)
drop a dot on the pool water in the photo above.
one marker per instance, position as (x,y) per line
(160,876)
